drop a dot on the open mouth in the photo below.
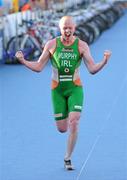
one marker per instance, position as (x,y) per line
(68,34)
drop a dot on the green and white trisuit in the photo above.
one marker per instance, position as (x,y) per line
(67,92)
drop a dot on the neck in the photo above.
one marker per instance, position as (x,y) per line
(67,40)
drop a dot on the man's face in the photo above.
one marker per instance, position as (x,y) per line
(67,28)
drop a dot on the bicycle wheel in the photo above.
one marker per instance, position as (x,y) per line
(92,25)
(12,47)
(110,17)
(30,47)
(25,44)
(118,9)
(84,34)
(101,22)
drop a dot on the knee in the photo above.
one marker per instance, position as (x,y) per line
(62,125)
(62,130)
(73,124)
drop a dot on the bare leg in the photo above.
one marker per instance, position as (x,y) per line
(62,126)
(73,132)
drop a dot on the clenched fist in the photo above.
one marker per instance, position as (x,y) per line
(107,55)
(20,56)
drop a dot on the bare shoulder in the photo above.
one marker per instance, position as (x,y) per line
(83,44)
(47,51)
(50,45)
(83,47)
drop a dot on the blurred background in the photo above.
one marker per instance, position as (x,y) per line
(27,24)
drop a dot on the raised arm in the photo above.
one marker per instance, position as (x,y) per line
(88,59)
(38,65)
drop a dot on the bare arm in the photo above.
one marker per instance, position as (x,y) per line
(38,65)
(89,61)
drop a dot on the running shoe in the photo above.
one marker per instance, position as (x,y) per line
(68,166)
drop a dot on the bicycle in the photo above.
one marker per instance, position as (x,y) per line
(31,42)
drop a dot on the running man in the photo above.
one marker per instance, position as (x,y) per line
(66,53)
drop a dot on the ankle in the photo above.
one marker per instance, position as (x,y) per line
(66,158)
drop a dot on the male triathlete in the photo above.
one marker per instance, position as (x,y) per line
(66,53)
